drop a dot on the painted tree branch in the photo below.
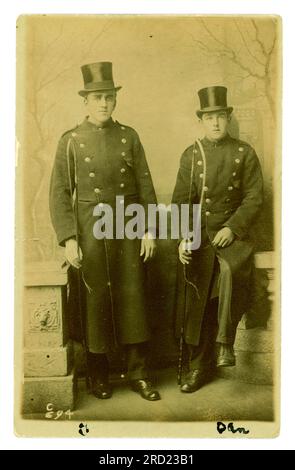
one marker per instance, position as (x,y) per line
(221,49)
(254,56)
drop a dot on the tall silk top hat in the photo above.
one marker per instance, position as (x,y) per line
(213,98)
(98,77)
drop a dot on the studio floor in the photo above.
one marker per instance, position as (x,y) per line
(219,400)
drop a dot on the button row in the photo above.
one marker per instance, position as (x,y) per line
(122,170)
(227,212)
(83,145)
(97,190)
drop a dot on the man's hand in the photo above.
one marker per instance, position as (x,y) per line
(71,253)
(223,238)
(184,252)
(148,246)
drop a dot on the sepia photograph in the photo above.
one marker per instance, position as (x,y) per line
(148,222)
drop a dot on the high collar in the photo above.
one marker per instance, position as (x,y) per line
(219,143)
(86,124)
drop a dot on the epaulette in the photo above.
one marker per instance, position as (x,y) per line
(243,143)
(69,130)
(124,126)
(189,149)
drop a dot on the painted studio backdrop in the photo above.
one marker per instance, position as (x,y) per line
(160,64)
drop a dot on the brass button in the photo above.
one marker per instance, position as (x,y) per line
(208,200)
(123,128)
(74,134)
(234,173)
(87,159)
(205,188)
(96,190)
(230,188)
(122,170)
(146,173)
(201,175)
(123,154)
(122,185)
(82,146)
(199,162)
(91,174)
(195,151)
(237,160)
(124,141)
(208,213)
(241,149)
(227,199)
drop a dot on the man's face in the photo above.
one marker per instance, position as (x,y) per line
(215,124)
(100,105)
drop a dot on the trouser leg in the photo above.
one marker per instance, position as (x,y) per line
(226,328)
(98,367)
(136,355)
(202,357)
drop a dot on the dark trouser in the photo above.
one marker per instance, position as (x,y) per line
(202,357)
(136,355)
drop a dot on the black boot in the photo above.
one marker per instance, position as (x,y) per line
(145,389)
(101,390)
(226,356)
(195,380)
(99,372)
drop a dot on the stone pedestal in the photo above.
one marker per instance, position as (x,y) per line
(49,376)
(254,347)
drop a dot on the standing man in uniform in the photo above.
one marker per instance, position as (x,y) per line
(223,175)
(95,162)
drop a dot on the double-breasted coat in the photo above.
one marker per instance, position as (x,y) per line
(106,162)
(232,186)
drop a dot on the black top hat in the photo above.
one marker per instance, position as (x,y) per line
(213,98)
(97,77)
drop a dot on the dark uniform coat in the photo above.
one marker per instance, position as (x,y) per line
(110,161)
(233,196)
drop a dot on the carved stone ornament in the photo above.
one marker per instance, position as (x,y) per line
(44,316)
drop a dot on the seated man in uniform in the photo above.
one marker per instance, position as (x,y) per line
(95,162)
(223,175)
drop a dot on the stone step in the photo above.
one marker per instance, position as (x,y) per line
(251,367)
(48,362)
(254,340)
(254,349)
(40,392)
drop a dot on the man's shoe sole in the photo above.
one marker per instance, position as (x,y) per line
(226,364)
